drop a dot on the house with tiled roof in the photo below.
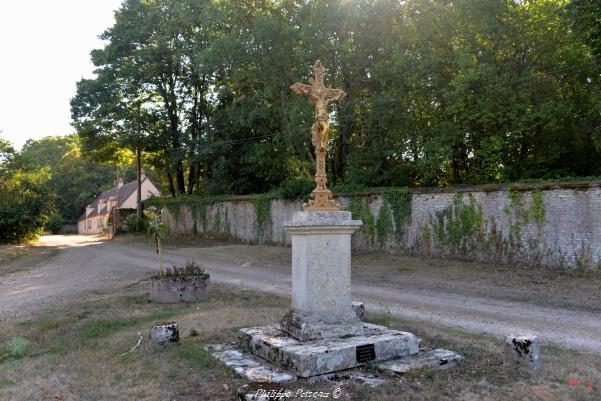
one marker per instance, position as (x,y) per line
(123,196)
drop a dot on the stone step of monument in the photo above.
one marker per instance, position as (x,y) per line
(248,366)
(433,359)
(317,357)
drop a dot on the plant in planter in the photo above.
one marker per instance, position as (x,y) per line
(156,230)
(188,283)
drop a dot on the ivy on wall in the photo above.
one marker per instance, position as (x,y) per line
(197,204)
(399,200)
(392,217)
(262,206)
(460,226)
(384,224)
(359,208)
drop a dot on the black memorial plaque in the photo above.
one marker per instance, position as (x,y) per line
(365,353)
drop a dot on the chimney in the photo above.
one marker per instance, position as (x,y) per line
(142,175)
(119,182)
(89,209)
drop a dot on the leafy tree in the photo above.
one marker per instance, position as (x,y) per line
(25,202)
(74,181)
(438,92)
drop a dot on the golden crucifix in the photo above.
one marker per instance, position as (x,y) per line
(320,96)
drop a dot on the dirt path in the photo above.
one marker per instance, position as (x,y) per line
(86,266)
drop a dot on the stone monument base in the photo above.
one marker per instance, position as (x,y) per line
(308,327)
(311,358)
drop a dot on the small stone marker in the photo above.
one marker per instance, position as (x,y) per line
(525,350)
(164,333)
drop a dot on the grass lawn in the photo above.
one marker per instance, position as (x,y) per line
(75,353)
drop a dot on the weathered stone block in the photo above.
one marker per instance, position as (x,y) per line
(164,333)
(321,276)
(525,350)
(431,359)
(313,326)
(311,358)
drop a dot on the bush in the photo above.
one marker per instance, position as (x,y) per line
(190,269)
(135,224)
(345,188)
(297,189)
(25,205)
(55,223)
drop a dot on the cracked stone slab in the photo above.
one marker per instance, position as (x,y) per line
(363,378)
(249,366)
(317,357)
(432,359)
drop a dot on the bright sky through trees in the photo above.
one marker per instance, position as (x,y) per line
(44,51)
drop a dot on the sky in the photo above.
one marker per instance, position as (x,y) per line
(44,50)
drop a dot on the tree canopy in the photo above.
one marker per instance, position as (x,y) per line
(438,92)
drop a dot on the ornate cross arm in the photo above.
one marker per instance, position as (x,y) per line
(301,89)
(335,95)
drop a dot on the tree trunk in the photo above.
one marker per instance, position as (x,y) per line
(171,186)
(179,178)
(191,178)
(139,179)
(341,152)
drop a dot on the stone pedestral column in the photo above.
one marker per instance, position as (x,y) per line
(321,276)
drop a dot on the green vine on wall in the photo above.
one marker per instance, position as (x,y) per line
(537,207)
(460,226)
(197,204)
(384,224)
(262,205)
(399,200)
(359,208)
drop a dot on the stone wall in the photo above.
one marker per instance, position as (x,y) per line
(536,225)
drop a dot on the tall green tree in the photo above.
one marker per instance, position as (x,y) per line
(438,92)
(75,181)
(25,201)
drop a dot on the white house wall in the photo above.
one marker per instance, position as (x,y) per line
(148,190)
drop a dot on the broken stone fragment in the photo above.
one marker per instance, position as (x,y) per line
(359,309)
(434,359)
(354,375)
(164,333)
(523,350)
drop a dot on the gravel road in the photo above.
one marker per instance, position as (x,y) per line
(87,266)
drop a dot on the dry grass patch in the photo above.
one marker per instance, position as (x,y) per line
(16,258)
(75,352)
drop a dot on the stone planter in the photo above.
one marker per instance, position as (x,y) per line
(179,289)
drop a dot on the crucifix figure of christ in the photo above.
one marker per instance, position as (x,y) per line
(321,97)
